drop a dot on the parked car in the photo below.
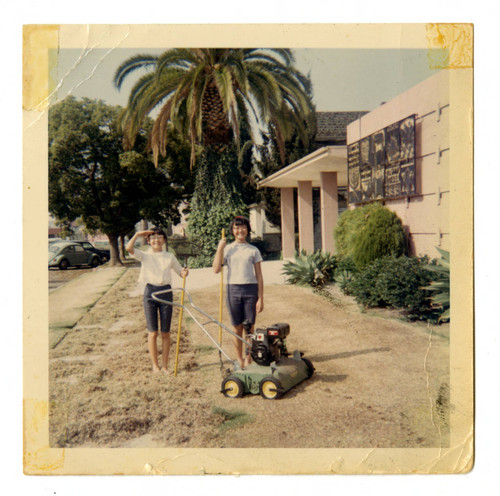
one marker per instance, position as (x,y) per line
(67,254)
(104,255)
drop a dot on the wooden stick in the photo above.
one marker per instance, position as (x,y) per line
(180,323)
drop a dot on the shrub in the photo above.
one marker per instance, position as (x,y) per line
(349,225)
(370,232)
(396,282)
(344,273)
(315,270)
(440,285)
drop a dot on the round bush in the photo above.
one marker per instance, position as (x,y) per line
(383,234)
(349,225)
(369,232)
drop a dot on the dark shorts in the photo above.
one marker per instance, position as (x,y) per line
(152,308)
(241,301)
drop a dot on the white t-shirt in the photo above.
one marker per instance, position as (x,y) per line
(156,267)
(240,259)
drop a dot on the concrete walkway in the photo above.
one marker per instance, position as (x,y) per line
(205,278)
(68,303)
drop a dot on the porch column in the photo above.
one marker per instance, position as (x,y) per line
(329,209)
(287,223)
(305,208)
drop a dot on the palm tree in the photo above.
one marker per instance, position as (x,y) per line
(206,93)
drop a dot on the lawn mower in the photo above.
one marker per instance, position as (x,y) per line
(273,370)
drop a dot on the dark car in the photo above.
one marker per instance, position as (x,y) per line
(104,255)
(68,254)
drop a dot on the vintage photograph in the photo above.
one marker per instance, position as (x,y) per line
(251,247)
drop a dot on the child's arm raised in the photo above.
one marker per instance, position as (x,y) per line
(133,239)
(219,256)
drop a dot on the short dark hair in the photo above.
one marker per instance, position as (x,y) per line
(156,231)
(239,220)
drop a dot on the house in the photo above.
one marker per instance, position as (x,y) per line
(397,154)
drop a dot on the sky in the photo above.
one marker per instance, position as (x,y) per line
(340,76)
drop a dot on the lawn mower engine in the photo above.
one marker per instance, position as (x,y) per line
(268,345)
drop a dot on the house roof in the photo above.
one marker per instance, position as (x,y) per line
(308,168)
(332,126)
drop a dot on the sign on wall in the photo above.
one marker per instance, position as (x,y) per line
(382,165)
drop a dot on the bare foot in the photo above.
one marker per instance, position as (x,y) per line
(165,371)
(156,370)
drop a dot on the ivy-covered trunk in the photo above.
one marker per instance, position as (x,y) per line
(216,200)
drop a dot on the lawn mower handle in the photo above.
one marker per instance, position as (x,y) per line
(211,319)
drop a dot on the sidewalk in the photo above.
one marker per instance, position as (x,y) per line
(70,302)
(205,278)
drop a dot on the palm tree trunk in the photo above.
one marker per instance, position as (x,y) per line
(216,128)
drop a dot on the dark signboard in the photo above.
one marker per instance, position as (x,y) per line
(382,165)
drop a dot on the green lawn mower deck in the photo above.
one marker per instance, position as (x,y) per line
(270,381)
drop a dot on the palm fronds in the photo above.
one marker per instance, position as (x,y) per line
(206,93)
(316,269)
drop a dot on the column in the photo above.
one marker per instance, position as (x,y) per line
(305,208)
(287,223)
(329,209)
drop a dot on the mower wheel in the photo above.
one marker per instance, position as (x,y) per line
(232,387)
(310,367)
(270,388)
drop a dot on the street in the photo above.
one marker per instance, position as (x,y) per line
(59,277)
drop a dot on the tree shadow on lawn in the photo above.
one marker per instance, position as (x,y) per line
(345,354)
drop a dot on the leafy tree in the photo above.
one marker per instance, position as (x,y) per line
(90,177)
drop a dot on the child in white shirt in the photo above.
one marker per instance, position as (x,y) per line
(156,275)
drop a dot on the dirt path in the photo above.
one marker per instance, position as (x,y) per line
(379,382)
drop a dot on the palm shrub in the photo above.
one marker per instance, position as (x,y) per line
(440,285)
(345,272)
(395,282)
(315,270)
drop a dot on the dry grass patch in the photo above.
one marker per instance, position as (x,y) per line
(378,382)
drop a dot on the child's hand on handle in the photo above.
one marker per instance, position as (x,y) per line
(184,272)
(222,244)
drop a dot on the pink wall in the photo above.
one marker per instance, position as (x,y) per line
(425,216)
